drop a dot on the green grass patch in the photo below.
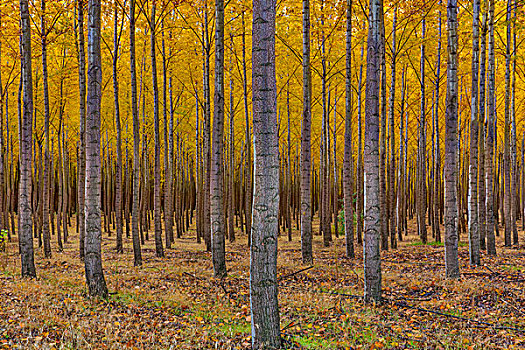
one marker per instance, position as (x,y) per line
(435,244)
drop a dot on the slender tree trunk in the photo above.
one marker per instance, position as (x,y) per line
(168,206)
(437,137)
(513,157)
(383,217)
(93,258)
(451,147)
(489,140)
(118,167)
(159,249)
(218,222)
(392,166)
(401,194)
(481,140)
(306,205)
(81,129)
(25,220)
(474,139)
(507,193)
(249,170)
(45,192)
(360,165)
(3,187)
(372,229)
(289,192)
(348,152)
(422,152)
(135,209)
(231,178)
(206,133)
(266,332)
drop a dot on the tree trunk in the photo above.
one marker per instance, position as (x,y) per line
(489,140)
(306,205)
(437,137)
(118,168)
(45,191)
(474,139)
(249,170)
(159,249)
(481,139)
(3,188)
(206,133)
(360,165)
(514,168)
(135,209)
(422,152)
(507,193)
(401,194)
(81,129)
(25,220)
(451,146)
(372,222)
(392,166)
(263,261)
(218,222)
(348,152)
(93,258)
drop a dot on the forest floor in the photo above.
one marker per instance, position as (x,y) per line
(175,303)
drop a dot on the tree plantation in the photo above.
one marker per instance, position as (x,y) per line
(210,174)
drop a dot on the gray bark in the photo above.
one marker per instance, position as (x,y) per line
(118,166)
(159,249)
(93,252)
(507,193)
(265,225)
(306,205)
(451,146)
(218,222)
(135,210)
(25,219)
(372,221)
(481,139)
(473,159)
(348,152)
(81,129)
(392,166)
(45,191)
(489,138)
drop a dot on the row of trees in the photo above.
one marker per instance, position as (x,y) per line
(388,175)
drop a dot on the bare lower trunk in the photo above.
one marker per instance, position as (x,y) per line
(159,249)
(347,162)
(372,229)
(474,123)
(451,148)
(135,210)
(306,205)
(25,220)
(218,222)
(266,332)
(507,192)
(45,191)
(93,258)
(481,139)
(118,166)
(392,166)
(489,139)
(81,129)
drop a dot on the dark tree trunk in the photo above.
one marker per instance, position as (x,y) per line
(25,220)
(93,258)
(266,332)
